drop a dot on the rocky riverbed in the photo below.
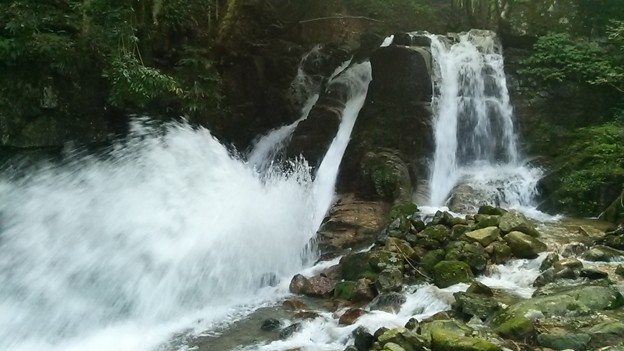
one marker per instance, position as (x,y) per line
(494,280)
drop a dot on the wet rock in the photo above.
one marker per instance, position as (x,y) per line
(306,315)
(298,284)
(484,236)
(548,276)
(574,249)
(523,245)
(390,346)
(412,324)
(432,258)
(590,273)
(484,221)
(380,260)
(399,246)
(289,331)
(356,266)
(564,341)
(363,340)
(319,287)
(351,223)
(351,315)
(566,273)
(571,263)
(402,337)
(334,272)
(447,273)
(390,302)
(549,261)
(473,254)
(606,333)
(389,280)
(516,221)
(438,232)
(477,305)
(363,291)
(446,219)
(271,324)
(491,210)
(480,288)
(442,339)
(294,305)
(344,290)
(387,174)
(458,230)
(500,252)
(603,254)
(619,270)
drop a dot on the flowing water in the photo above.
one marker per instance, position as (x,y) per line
(166,232)
(474,130)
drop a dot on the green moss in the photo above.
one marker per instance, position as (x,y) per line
(344,290)
(403,210)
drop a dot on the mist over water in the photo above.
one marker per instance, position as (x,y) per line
(167,228)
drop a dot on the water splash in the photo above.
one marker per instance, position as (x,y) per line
(474,130)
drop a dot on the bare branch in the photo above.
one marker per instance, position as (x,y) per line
(338,18)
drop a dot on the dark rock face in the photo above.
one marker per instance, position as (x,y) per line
(395,119)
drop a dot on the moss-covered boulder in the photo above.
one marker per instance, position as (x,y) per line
(523,245)
(432,258)
(402,337)
(564,341)
(499,252)
(447,273)
(484,236)
(443,340)
(388,280)
(344,290)
(473,254)
(438,232)
(356,266)
(483,221)
(603,254)
(478,305)
(491,210)
(516,221)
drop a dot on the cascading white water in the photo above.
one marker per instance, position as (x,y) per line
(119,252)
(474,122)
(269,146)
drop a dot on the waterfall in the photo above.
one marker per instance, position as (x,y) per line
(473,126)
(164,232)
(268,147)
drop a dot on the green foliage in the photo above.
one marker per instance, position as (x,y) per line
(594,159)
(134,84)
(397,14)
(557,57)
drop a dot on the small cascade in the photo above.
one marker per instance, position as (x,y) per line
(474,130)
(268,148)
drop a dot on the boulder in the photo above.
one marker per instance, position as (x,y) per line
(351,223)
(432,258)
(294,305)
(516,221)
(387,174)
(363,340)
(484,221)
(271,324)
(443,340)
(523,245)
(499,252)
(491,210)
(319,287)
(447,273)
(350,316)
(388,280)
(438,232)
(289,331)
(406,339)
(363,291)
(484,236)
(603,254)
(390,302)
(480,306)
(564,341)
(344,290)
(473,254)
